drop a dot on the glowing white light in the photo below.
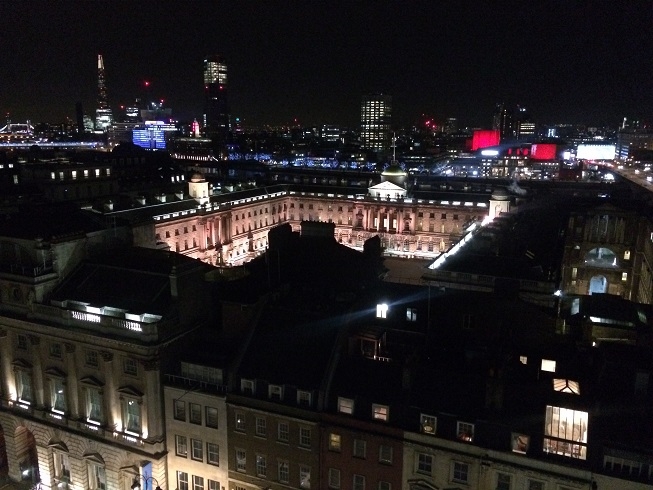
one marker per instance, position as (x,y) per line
(489,153)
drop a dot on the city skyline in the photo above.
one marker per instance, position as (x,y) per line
(291,60)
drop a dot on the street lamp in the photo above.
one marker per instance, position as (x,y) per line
(137,484)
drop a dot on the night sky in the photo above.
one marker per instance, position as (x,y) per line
(566,61)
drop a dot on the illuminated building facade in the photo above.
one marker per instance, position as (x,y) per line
(216,109)
(233,229)
(103,113)
(153,135)
(376,116)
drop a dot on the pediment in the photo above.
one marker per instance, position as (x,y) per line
(92,381)
(130,390)
(58,445)
(21,363)
(55,372)
(387,186)
(94,457)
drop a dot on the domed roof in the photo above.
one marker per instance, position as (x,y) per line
(197,177)
(500,194)
(394,169)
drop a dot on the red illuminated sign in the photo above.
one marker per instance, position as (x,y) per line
(543,151)
(484,138)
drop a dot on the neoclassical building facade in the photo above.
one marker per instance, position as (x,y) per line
(232,228)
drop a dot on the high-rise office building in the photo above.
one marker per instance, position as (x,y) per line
(216,109)
(376,114)
(524,126)
(502,121)
(103,114)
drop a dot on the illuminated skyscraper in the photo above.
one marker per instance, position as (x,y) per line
(376,114)
(103,114)
(216,110)
(502,121)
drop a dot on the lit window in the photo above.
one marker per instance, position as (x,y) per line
(380,412)
(345,405)
(61,466)
(181,446)
(460,472)
(627,255)
(58,395)
(411,314)
(241,460)
(24,386)
(523,360)
(520,443)
(261,465)
(212,453)
(334,442)
(97,477)
(465,431)
(86,174)
(334,478)
(132,415)
(624,276)
(360,448)
(94,405)
(283,431)
(74,174)
(548,365)
(304,477)
(240,421)
(566,386)
(97,172)
(566,432)
(382,310)
(261,427)
(424,463)
(428,423)
(385,454)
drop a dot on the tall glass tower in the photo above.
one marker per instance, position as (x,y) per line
(216,109)
(103,114)
(376,114)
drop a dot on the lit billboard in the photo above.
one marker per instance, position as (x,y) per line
(595,152)
(543,151)
(484,138)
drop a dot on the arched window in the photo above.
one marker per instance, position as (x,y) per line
(601,257)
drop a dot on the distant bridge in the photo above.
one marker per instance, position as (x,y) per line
(18,128)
